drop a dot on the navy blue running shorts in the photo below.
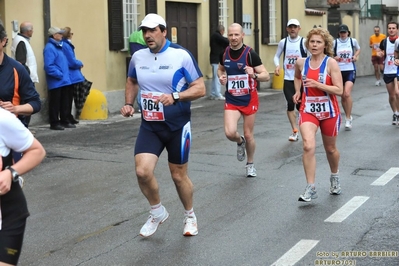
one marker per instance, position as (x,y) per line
(177,143)
(389,78)
(348,76)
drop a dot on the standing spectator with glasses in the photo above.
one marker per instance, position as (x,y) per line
(75,67)
(58,81)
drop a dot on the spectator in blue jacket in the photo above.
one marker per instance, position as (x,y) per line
(74,65)
(58,81)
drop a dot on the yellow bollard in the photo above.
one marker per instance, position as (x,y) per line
(96,107)
(278,81)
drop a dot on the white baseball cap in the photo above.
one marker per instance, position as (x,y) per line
(152,21)
(293,21)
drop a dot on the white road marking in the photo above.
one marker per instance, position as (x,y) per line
(346,210)
(296,253)
(385,178)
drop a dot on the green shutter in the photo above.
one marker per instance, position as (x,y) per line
(115,25)
(151,6)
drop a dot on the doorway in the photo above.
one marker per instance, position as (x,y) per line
(182,22)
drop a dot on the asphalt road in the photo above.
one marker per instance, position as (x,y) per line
(86,207)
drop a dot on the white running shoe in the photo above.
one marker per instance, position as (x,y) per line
(335,186)
(309,194)
(220,98)
(251,171)
(294,136)
(151,226)
(190,226)
(241,153)
(378,83)
(394,120)
(348,124)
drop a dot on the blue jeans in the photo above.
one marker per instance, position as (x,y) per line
(215,92)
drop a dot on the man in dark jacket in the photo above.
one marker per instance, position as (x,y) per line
(218,45)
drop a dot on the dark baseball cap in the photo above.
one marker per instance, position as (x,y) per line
(343,28)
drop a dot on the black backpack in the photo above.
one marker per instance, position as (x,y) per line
(336,44)
(303,53)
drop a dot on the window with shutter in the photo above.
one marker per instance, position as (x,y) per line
(130,23)
(115,25)
(213,16)
(151,6)
(223,9)
(122,21)
(265,29)
(272,22)
(284,18)
(238,11)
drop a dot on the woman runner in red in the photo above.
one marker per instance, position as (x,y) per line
(321,78)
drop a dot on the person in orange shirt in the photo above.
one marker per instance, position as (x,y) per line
(378,62)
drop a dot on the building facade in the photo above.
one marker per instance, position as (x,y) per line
(101,29)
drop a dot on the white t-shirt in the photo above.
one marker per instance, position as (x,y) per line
(345,53)
(292,53)
(390,67)
(13,134)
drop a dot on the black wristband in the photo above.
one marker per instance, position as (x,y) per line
(129,104)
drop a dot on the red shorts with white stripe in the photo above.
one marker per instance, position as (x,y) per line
(249,109)
(328,127)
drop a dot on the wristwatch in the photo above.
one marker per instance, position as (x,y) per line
(255,76)
(15,175)
(175,96)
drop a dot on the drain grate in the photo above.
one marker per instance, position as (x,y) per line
(367,172)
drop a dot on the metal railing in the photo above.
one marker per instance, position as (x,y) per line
(371,8)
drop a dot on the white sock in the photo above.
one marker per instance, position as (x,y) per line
(189,213)
(157,209)
(335,174)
